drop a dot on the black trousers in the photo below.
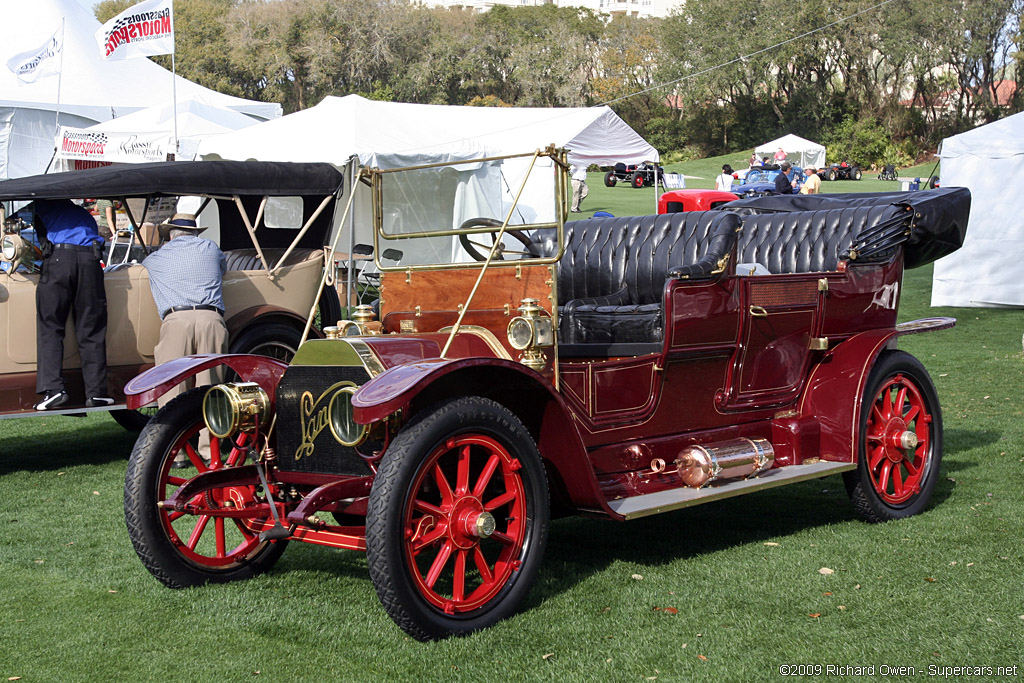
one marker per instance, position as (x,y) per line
(71,282)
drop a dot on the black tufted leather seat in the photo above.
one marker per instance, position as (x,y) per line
(807,241)
(613,272)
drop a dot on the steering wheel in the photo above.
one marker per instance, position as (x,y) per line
(470,246)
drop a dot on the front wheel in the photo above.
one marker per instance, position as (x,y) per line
(457,519)
(900,441)
(637,180)
(610,179)
(857,174)
(182,549)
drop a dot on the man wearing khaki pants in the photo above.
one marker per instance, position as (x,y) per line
(186,277)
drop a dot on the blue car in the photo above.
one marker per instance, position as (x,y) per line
(761,181)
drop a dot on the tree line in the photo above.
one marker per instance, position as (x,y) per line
(878,82)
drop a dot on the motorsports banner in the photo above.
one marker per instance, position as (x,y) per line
(143,30)
(82,144)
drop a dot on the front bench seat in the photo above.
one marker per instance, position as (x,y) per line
(612,275)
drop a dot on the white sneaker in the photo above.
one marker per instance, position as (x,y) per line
(52,399)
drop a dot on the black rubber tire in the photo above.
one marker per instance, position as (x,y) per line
(866,500)
(329,307)
(396,476)
(857,174)
(610,179)
(131,420)
(637,180)
(274,339)
(933,182)
(143,518)
(831,174)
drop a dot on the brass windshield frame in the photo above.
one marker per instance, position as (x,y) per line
(374,176)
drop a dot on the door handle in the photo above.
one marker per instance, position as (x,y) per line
(758,312)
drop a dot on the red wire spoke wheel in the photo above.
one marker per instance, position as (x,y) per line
(457,519)
(193,547)
(900,441)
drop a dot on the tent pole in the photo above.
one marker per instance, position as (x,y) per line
(56,117)
(174,100)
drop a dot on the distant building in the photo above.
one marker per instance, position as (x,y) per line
(1001,96)
(643,9)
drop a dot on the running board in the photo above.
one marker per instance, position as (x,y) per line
(80,412)
(674,499)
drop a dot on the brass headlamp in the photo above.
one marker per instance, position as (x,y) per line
(235,407)
(529,332)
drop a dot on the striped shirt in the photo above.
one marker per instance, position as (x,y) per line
(187,271)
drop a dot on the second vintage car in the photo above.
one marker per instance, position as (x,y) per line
(610,367)
(271,219)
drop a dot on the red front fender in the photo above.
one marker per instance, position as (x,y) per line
(527,394)
(155,382)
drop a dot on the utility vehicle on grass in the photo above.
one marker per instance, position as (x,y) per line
(271,219)
(608,367)
(644,174)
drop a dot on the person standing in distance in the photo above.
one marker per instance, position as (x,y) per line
(71,281)
(186,276)
(578,173)
(724,181)
(783,184)
(813,183)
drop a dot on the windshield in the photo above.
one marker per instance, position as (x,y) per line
(450,215)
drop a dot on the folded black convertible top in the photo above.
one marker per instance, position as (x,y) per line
(175,178)
(937,225)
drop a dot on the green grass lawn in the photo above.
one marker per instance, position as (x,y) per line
(941,589)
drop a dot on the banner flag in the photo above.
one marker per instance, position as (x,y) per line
(142,30)
(30,66)
(79,143)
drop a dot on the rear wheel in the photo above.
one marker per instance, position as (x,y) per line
(900,441)
(457,519)
(273,339)
(610,179)
(182,549)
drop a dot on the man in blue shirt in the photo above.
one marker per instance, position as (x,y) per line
(186,277)
(71,281)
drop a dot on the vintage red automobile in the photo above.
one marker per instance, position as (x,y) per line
(609,367)
(693,200)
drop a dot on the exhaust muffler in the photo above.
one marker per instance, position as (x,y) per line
(700,465)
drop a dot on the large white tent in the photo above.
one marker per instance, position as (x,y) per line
(799,152)
(352,131)
(989,161)
(339,128)
(90,89)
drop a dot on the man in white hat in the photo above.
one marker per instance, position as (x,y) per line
(186,277)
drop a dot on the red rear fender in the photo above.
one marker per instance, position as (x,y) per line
(836,386)
(155,382)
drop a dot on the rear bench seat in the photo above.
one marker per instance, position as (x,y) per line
(810,241)
(613,272)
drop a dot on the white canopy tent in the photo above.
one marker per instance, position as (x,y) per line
(352,131)
(91,89)
(799,152)
(148,134)
(985,271)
